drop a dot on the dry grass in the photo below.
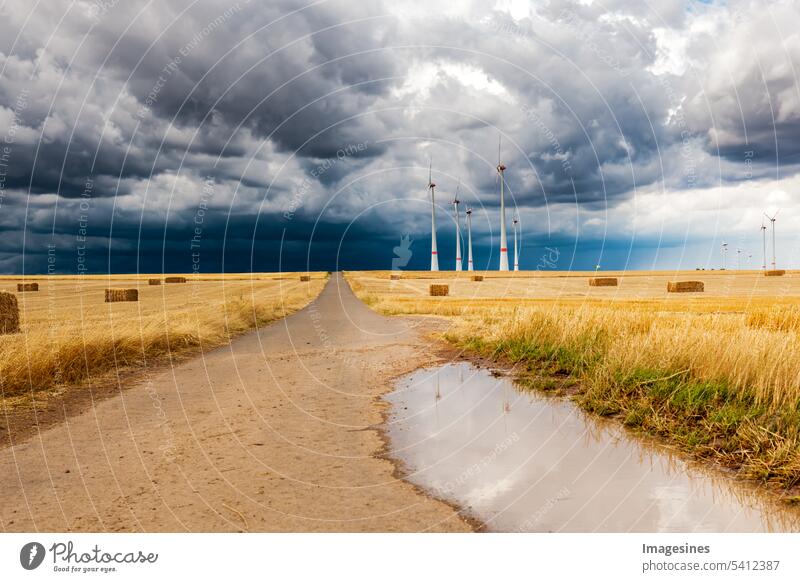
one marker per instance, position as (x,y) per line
(717,374)
(70,335)
(776,318)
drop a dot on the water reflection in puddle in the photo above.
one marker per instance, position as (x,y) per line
(521,462)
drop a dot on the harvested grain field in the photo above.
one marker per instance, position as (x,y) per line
(70,334)
(725,291)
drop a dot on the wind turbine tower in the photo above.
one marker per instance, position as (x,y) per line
(503,238)
(469,240)
(456,202)
(772,220)
(764,245)
(724,254)
(434,250)
(516,245)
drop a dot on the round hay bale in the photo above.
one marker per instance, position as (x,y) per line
(685,287)
(9,313)
(114,295)
(174,279)
(305,278)
(775,273)
(439,290)
(394,277)
(477,277)
(603,282)
(154,281)
(23,287)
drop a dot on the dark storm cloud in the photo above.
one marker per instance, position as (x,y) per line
(587,113)
(327,113)
(106,105)
(746,102)
(286,76)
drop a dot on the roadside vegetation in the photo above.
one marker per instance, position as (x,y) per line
(69,335)
(722,383)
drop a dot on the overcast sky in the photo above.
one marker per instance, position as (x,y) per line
(172,135)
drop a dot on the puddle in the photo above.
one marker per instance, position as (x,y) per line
(519,461)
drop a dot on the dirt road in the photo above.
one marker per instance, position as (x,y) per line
(271,433)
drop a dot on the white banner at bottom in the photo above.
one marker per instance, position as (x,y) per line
(356,557)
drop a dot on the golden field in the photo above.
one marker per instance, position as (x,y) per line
(70,334)
(731,291)
(714,373)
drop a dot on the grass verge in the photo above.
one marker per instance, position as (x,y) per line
(649,389)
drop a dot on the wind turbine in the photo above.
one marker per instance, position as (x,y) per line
(456,202)
(764,244)
(469,240)
(739,259)
(503,239)
(434,251)
(516,246)
(772,220)
(724,253)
